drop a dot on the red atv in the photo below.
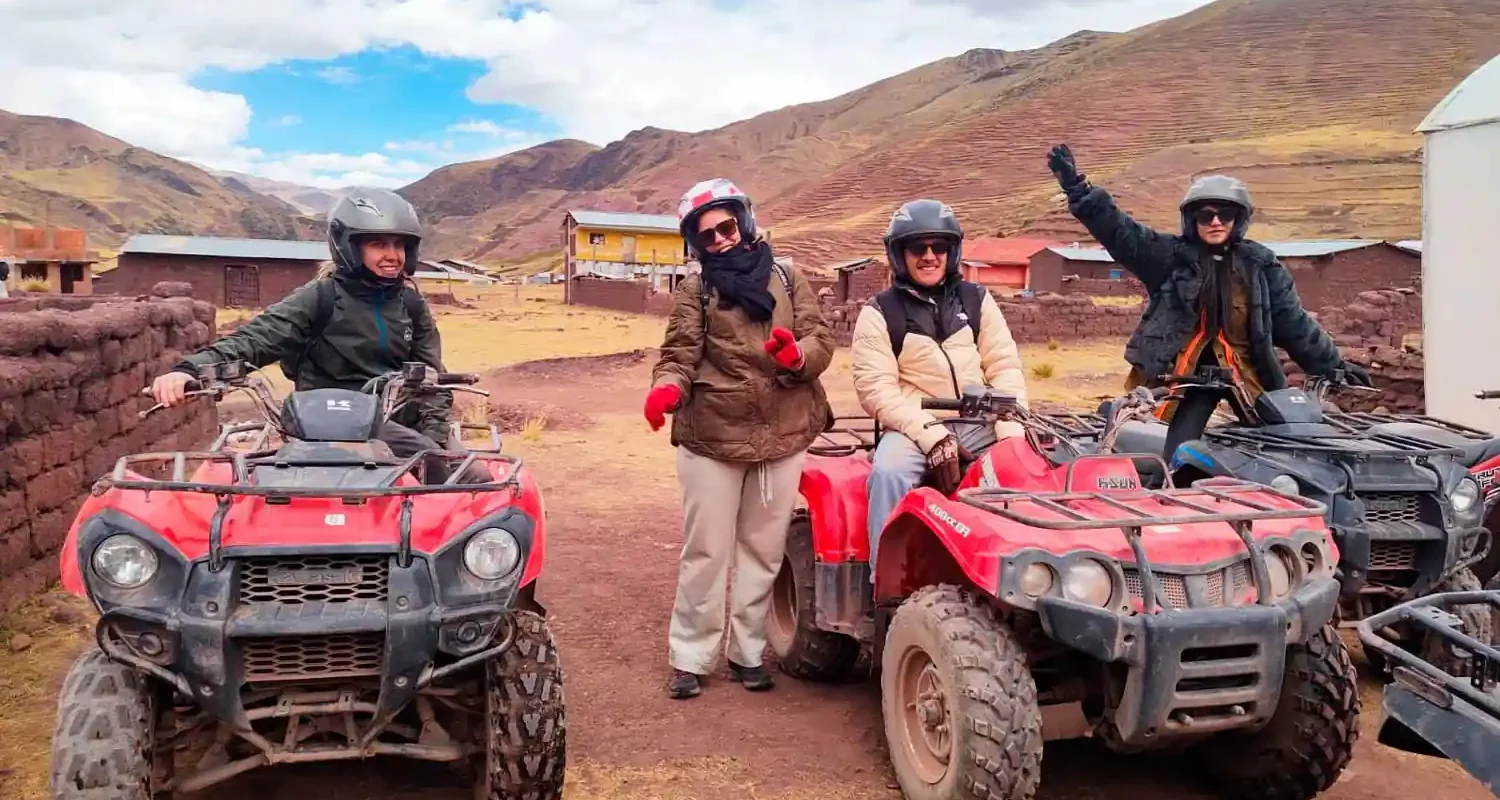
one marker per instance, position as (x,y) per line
(1051,597)
(319,600)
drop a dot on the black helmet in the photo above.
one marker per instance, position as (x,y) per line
(370,211)
(923,218)
(1217,189)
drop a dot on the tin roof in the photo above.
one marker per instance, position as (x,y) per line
(1098,254)
(1413,246)
(225,247)
(665,223)
(1318,247)
(1001,250)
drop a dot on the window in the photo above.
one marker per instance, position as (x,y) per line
(1116,274)
(596,239)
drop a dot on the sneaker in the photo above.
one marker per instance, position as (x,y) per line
(755,679)
(683,685)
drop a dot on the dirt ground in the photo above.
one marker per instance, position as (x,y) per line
(614,521)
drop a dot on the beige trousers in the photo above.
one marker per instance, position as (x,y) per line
(735,515)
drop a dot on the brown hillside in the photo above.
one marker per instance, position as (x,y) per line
(1313,103)
(67,173)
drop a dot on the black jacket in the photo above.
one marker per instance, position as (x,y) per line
(1168,266)
(369,333)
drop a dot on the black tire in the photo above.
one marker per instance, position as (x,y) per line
(987,701)
(526,739)
(1309,741)
(1477,621)
(103,741)
(1494,586)
(802,649)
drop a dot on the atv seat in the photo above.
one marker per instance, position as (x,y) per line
(1475,451)
(1142,437)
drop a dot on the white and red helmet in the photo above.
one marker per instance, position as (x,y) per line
(714,193)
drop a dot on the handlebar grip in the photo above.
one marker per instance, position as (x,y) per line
(1488,394)
(941,404)
(457,377)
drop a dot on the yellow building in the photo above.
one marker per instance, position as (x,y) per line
(611,244)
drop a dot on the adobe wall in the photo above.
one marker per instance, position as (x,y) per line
(1127,286)
(1369,332)
(71,372)
(1040,318)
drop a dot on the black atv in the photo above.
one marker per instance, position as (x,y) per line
(1405,512)
(1428,710)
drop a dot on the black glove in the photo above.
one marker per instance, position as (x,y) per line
(944,464)
(1356,375)
(1060,161)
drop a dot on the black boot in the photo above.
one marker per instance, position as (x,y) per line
(755,679)
(683,685)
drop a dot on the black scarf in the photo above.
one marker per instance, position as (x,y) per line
(741,276)
(1217,266)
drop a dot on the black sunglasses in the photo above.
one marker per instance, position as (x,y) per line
(919,249)
(725,229)
(1206,215)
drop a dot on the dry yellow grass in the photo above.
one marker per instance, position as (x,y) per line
(29,680)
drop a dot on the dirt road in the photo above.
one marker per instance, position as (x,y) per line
(614,522)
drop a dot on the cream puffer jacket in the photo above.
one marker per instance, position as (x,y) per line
(891,390)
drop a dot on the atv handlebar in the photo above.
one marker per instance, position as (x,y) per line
(1488,394)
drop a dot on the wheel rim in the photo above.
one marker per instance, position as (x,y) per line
(781,624)
(926,725)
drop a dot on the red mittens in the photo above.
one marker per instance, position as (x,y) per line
(658,402)
(783,347)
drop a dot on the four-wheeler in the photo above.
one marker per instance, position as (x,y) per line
(1430,711)
(1407,515)
(1052,597)
(316,600)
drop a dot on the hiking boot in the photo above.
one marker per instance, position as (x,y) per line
(683,685)
(755,679)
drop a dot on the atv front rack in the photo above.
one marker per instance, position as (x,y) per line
(1449,716)
(1362,444)
(242,464)
(1362,421)
(1198,504)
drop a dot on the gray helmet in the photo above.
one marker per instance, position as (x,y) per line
(368,211)
(923,218)
(1217,189)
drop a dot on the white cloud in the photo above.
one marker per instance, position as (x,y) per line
(599,68)
(288,121)
(339,75)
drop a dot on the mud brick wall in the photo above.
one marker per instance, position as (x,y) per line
(1369,332)
(71,372)
(1104,287)
(1040,318)
(627,296)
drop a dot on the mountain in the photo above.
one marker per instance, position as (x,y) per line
(305,199)
(1313,104)
(61,172)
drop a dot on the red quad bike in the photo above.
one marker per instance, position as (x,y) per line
(1052,598)
(319,600)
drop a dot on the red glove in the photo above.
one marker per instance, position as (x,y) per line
(658,402)
(783,347)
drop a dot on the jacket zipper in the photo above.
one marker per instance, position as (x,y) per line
(380,321)
(952,373)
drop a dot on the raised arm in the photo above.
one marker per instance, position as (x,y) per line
(1147,253)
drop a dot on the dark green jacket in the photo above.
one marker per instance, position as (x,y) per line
(369,333)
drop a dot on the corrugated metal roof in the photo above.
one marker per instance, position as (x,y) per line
(1000,250)
(1317,247)
(1413,246)
(665,223)
(1083,254)
(1474,101)
(225,247)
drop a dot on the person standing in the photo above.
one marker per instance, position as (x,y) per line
(739,373)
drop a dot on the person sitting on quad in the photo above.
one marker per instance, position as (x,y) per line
(1216,298)
(930,334)
(739,371)
(357,320)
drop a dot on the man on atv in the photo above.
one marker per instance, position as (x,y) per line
(1216,298)
(358,320)
(929,335)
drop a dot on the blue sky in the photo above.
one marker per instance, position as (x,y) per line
(329,93)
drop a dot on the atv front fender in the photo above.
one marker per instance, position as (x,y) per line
(931,539)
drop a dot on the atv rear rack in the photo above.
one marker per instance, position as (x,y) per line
(845,439)
(1335,443)
(1362,421)
(1197,502)
(241,486)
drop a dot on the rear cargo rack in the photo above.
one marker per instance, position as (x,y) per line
(1428,613)
(847,436)
(1197,503)
(1362,421)
(1073,424)
(1351,444)
(243,463)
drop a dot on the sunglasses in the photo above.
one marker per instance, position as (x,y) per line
(1206,216)
(708,236)
(919,249)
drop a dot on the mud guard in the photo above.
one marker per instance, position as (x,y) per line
(928,536)
(836,491)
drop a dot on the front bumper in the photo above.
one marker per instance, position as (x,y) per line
(1412,554)
(1191,672)
(241,627)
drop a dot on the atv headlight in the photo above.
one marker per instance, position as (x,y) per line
(125,561)
(491,554)
(1286,484)
(1465,495)
(1281,570)
(1088,581)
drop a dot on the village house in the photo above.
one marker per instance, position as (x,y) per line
(1000,263)
(234,273)
(56,257)
(623,246)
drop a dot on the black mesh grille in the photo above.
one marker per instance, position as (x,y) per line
(313,578)
(302,658)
